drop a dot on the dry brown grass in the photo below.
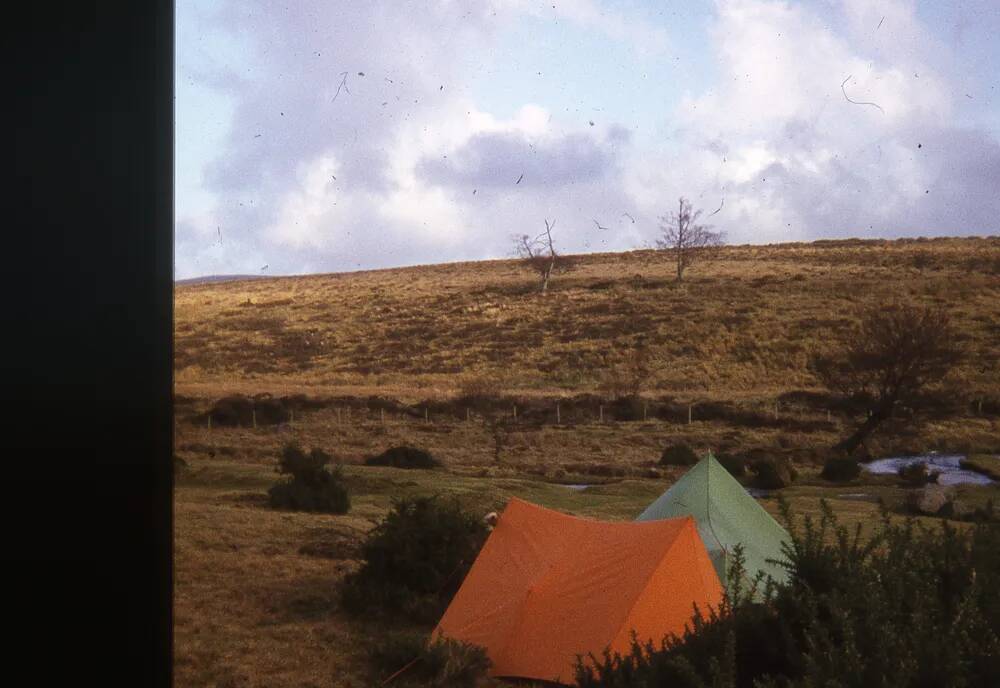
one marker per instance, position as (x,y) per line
(257,589)
(739,327)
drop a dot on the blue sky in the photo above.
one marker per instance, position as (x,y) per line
(329,136)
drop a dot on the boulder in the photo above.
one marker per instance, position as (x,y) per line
(929,500)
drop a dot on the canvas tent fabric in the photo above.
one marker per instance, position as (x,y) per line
(548,586)
(726,515)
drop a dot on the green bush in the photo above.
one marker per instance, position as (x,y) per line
(678,455)
(415,560)
(403,457)
(414,661)
(841,469)
(311,486)
(911,607)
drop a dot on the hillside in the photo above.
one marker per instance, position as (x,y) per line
(741,326)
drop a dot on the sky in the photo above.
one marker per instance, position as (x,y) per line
(336,135)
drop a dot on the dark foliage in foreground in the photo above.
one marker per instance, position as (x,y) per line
(407,659)
(415,560)
(311,486)
(910,607)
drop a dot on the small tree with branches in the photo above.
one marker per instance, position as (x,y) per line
(684,240)
(539,254)
(889,362)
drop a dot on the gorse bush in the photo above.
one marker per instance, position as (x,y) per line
(415,560)
(771,474)
(311,486)
(678,455)
(736,465)
(841,469)
(403,457)
(910,606)
(408,659)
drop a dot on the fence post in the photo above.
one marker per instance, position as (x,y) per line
(291,416)
(689,414)
(776,410)
(980,407)
(515,412)
(426,416)
(209,420)
(644,414)
(381,416)
(558,418)
(467,415)
(253,415)
(601,411)
(828,415)
(338,415)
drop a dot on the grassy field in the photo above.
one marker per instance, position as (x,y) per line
(256,589)
(256,600)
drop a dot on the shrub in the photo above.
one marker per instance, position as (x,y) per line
(841,469)
(415,559)
(311,486)
(678,455)
(240,411)
(232,411)
(628,408)
(415,662)
(271,411)
(911,606)
(736,465)
(771,473)
(403,457)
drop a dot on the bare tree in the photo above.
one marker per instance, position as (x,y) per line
(683,239)
(539,254)
(889,362)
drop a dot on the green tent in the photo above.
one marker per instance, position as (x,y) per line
(727,516)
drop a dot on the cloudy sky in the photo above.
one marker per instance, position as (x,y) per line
(321,136)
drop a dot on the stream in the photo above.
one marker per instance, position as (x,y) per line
(947,466)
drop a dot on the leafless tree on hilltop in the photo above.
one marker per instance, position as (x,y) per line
(683,239)
(539,254)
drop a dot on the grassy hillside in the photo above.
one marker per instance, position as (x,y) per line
(733,339)
(740,326)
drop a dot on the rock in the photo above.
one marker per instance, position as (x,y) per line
(929,500)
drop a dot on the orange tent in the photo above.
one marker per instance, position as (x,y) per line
(547,587)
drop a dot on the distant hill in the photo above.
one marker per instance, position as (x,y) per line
(211,279)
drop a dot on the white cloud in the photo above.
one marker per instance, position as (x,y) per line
(778,139)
